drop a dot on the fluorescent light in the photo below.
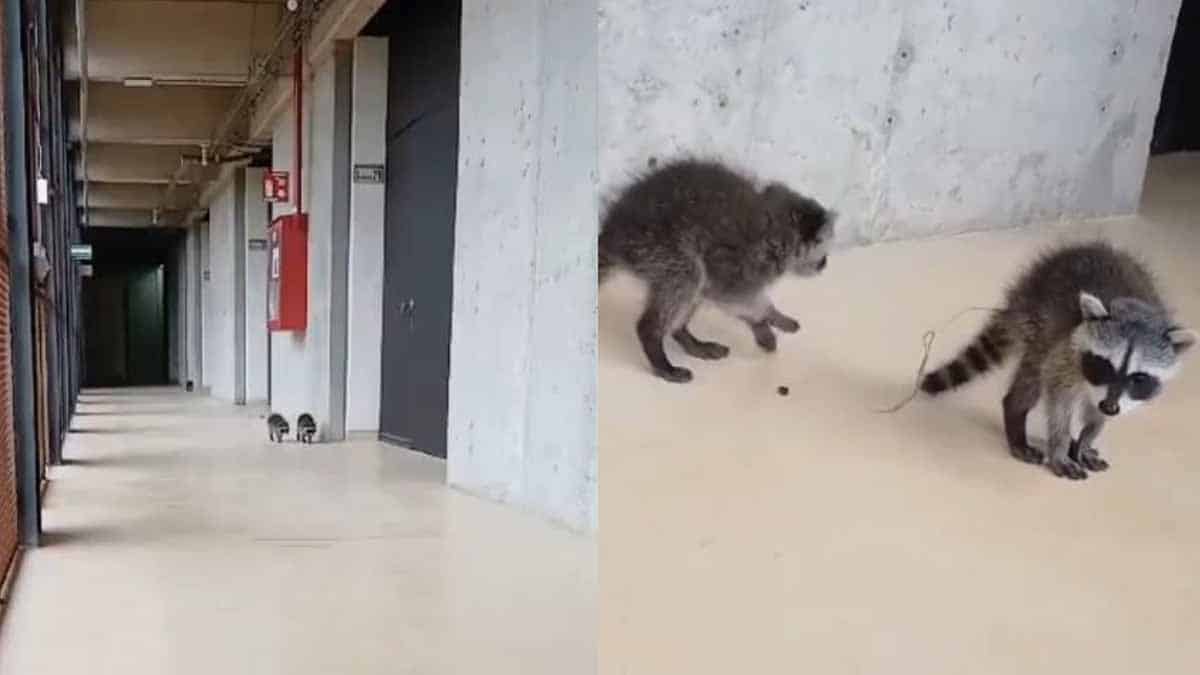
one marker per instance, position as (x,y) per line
(138,82)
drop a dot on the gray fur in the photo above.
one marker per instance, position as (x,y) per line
(697,230)
(277,427)
(306,428)
(1095,340)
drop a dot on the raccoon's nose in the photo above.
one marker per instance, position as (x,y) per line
(1110,408)
(824,262)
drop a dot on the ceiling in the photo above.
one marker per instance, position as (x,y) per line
(161,77)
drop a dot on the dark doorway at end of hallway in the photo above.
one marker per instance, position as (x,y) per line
(421,189)
(125,307)
(1177,126)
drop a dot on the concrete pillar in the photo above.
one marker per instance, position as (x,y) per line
(206,323)
(525,260)
(365,317)
(308,370)
(255,315)
(193,328)
(224,295)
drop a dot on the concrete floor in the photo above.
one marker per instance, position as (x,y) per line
(745,532)
(179,541)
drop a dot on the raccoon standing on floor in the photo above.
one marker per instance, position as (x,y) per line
(697,230)
(306,428)
(277,427)
(1094,339)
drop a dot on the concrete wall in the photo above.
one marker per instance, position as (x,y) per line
(912,119)
(255,223)
(308,369)
(523,351)
(220,303)
(206,306)
(193,333)
(368,146)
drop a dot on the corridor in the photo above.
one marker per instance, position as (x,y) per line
(181,541)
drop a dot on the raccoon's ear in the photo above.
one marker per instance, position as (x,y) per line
(1181,339)
(1092,308)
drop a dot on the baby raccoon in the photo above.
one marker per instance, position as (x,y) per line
(697,230)
(1095,339)
(306,428)
(277,427)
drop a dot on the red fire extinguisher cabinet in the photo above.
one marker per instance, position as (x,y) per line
(287,302)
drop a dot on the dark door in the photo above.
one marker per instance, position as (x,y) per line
(422,179)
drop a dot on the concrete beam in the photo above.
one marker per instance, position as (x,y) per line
(155,115)
(120,163)
(133,196)
(190,42)
(342,20)
(128,218)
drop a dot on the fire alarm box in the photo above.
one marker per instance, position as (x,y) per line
(287,299)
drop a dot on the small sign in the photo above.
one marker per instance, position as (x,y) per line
(81,252)
(258,244)
(275,186)
(85,270)
(368,173)
(43,191)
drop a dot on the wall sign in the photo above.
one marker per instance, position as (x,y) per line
(257,244)
(275,186)
(371,174)
(81,252)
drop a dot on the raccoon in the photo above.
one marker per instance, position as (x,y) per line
(1094,339)
(698,230)
(306,428)
(277,427)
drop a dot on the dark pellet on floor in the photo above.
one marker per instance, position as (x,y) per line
(783,391)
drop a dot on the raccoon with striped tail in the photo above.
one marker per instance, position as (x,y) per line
(1093,338)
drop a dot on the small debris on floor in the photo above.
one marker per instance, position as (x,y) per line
(783,391)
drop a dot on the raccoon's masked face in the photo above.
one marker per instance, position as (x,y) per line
(1128,351)
(811,223)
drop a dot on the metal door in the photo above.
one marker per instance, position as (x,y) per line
(422,179)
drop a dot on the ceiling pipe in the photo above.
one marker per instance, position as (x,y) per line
(294,29)
(81,46)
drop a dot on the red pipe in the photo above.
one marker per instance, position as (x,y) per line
(298,93)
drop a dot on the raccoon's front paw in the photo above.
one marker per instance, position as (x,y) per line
(765,337)
(1091,460)
(674,374)
(785,323)
(1027,454)
(1067,468)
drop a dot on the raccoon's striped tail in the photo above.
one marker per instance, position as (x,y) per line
(987,351)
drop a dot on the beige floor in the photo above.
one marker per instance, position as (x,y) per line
(745,532)
(181,542)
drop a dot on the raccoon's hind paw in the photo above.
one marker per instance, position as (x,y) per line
(674,374)
(1067,468)
(1028,454)
(1088,457)
(701,349)
(709,351)
(1091,460)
